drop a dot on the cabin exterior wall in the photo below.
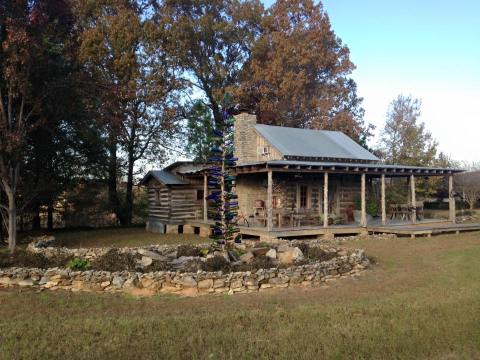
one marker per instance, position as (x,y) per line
(288,188)
(249,144)
(172,204)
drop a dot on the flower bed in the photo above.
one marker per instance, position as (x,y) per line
(188,270)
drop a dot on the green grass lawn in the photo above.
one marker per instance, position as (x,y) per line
(118,237)
(422,300)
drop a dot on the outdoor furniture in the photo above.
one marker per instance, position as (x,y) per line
(420,210)
(405,211)
(260,215)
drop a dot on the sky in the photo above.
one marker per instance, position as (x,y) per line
(424,48)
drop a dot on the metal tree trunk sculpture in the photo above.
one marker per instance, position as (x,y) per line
(223,203)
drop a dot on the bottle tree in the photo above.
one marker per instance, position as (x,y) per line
(223,202)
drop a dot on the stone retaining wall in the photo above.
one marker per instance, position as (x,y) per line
(351,264)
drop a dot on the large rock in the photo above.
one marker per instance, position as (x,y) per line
(182,261)
(205,284)
(152,255)
(132,282)
(145,261)
(42,242)
(26,282)
(187,281)
(272,254)
(247,258)
(5,281)
(260,251)
(117,281)
(237,285)
(289,255)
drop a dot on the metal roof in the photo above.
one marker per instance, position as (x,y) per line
(314,143)
(369,167)
(165,177)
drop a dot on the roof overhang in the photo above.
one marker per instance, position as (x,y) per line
(345,168)
(164,177)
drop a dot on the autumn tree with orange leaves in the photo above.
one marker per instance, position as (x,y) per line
(299,71)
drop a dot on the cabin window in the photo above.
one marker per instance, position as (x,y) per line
(157,197)
(303,196)
(200,195)
(266,150)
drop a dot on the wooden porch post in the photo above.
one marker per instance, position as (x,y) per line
(384,207)
(414,200)
(325,200)
(269,201)
(205,194)
(363,221)
(451,200)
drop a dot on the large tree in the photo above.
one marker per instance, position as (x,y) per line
(33,56)
(404,139)
(199,130)
(135,83)
(210,40)
(298,73)
(468,186)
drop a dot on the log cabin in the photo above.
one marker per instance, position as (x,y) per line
(295,182)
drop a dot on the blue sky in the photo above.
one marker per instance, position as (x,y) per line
(424,48)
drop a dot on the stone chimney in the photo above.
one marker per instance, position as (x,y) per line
(245,138)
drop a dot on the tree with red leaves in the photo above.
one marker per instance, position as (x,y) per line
(32,48)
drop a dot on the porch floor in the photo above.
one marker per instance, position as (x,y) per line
(425,227)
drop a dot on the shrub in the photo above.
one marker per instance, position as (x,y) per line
(216,263)
(114,260)
(188,250)
(23,258)
(262,262)
(263,245)
(319,254)
(79,264)
(315,252)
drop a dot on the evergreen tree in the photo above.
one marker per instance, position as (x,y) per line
(199,131)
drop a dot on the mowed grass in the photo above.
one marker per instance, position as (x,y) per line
(120,237)
(422,300)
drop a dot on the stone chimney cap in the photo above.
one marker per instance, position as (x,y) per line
(239,109)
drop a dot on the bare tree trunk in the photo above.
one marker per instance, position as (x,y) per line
(112,179)
(36,223)
(2,233)
(12,222)
(129,193)
(50,216)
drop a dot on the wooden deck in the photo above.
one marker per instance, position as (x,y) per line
(424,228)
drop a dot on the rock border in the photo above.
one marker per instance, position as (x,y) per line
(351,264)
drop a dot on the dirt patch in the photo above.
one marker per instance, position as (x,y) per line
(114,260)
(23,258)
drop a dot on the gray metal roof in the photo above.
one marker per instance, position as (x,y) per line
(314,143)
(165,177)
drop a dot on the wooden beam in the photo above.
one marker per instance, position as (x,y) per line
(384,207)
(363,221)
(451,200)
(269,201)
(325,200)
(205,194)
(414,199)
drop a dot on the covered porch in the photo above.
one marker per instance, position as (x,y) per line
(286,199)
